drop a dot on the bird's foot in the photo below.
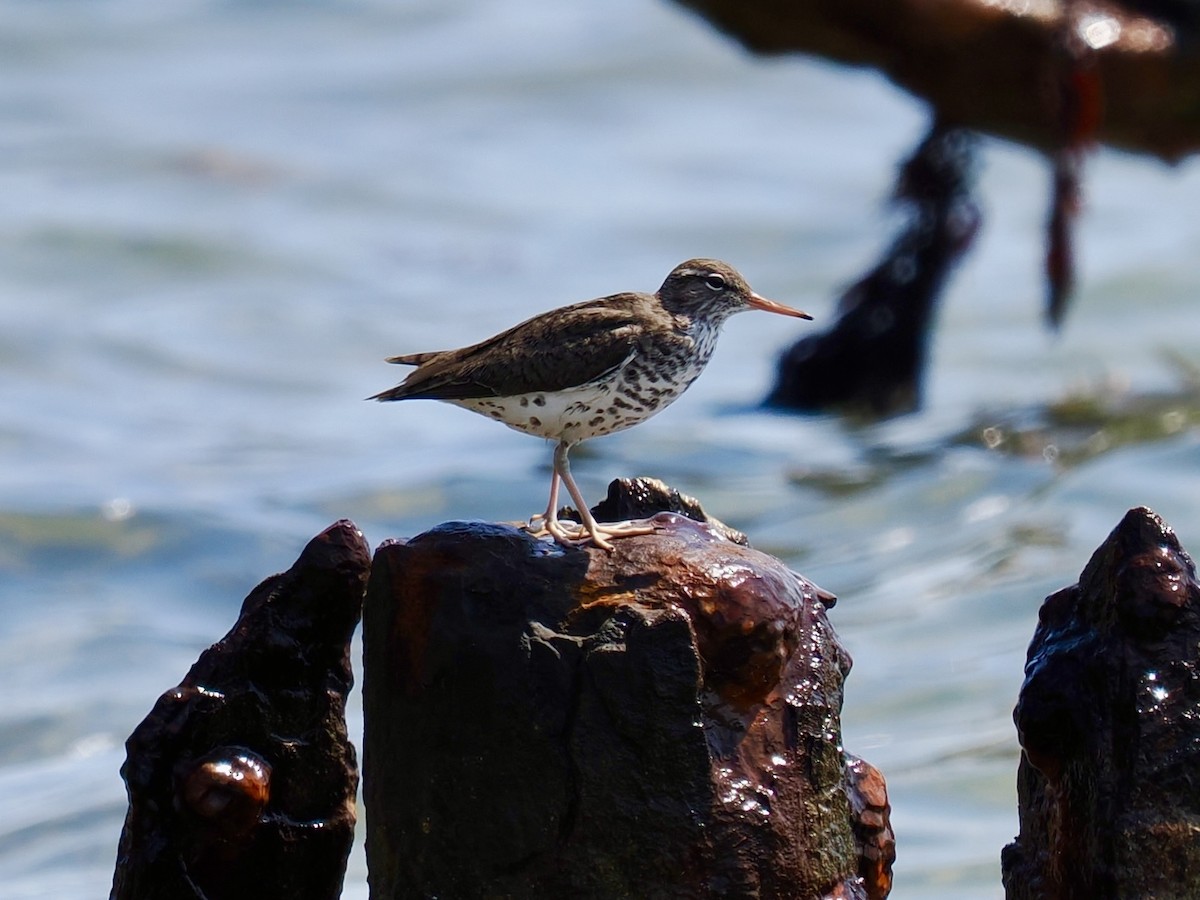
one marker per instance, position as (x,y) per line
(572,533)
(565,532)
(541,525)
(628,528)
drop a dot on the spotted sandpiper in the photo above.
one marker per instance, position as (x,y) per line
(589,369)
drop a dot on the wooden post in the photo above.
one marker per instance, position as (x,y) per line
(242,779)
(560,722)
(1109,721)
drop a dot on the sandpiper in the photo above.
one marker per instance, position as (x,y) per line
(589,369)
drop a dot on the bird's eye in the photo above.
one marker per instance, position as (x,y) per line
(715,282)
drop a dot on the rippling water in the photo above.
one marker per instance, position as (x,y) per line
(218,218)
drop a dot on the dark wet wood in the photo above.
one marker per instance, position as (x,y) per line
(1109,722)
(871,361)
(242,779)
(872,826)
(639,498)
(545,721)
(999,67)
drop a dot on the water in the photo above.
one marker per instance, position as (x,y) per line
(218,218)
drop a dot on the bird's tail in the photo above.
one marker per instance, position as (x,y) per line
(412,359)
(396,393)
(400,392)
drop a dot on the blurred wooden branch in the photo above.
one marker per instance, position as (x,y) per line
(1004,67)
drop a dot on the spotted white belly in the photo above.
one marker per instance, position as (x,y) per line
(630,394)
(570,415)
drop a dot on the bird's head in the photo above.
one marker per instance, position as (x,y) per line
(713,290)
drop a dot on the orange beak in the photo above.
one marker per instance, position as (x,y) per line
(757,302)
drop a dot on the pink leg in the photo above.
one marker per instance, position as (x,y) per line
(562,468)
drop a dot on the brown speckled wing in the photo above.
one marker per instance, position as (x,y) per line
(559,349)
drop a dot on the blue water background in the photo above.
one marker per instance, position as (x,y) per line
(217,218)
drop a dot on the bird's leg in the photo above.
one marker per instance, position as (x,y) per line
(562,467)
(534,520)
(549,523)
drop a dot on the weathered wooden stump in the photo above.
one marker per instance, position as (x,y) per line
(994,67)
(242,780)
(1109,721)
(871,361)
(560,722)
